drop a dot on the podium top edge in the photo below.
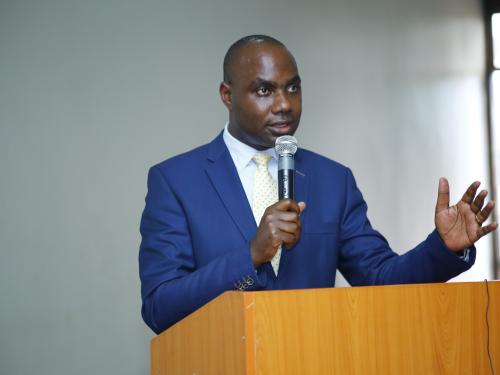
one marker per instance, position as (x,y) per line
(454,284)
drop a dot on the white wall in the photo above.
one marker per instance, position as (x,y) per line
(94,92)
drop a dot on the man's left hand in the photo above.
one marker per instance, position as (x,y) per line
(461,225)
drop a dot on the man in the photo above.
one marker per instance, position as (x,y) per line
(204,232)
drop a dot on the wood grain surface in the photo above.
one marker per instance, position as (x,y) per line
(209,341)
(410,329)
(403,329)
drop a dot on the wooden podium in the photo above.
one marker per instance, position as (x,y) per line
(403,329)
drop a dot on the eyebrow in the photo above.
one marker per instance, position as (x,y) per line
(264,82)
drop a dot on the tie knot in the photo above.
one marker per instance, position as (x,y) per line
(261,159)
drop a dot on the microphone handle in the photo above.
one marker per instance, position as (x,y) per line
(286,184)
(286,171)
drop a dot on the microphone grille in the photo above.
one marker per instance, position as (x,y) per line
(286,144)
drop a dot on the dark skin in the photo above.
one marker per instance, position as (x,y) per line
(265,101)
(461,225)
(264,98)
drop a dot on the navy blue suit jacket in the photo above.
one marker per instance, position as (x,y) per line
(197,226)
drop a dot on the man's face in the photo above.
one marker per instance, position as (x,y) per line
(264,96)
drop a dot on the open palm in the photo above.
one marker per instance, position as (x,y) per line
(460,226)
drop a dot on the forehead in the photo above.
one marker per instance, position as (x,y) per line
(264,61)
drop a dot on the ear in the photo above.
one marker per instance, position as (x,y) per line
(225,95)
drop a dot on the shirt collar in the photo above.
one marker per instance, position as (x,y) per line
(242,153)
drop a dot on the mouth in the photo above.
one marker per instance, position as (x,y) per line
(279,128)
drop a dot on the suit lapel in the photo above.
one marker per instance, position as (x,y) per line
(224,177)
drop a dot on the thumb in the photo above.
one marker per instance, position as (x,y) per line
(302,206)
(443,198)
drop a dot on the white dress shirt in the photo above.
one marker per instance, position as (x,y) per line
(242,155)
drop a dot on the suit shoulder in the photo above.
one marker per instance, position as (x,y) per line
(322,162)
(187,159)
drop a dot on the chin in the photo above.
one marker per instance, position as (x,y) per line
(264,144)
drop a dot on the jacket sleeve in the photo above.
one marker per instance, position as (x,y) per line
(367,259)
(172,286)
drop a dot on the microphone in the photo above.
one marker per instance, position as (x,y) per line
(286,147)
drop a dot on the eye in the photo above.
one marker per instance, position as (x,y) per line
(294,88)
(263,91)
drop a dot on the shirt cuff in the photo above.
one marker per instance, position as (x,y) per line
(464,255)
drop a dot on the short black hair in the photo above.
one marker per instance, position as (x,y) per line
(243,42)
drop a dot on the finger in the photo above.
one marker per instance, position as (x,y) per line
(478,202)
(287,227)
(282,216)
(287,205)
(302,206)
(470,192)
(288,240)
(296,237)
(485,212)
(443,199)
(483,231)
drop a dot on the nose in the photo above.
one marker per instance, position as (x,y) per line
(282,102)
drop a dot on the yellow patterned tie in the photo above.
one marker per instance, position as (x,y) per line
(265,193)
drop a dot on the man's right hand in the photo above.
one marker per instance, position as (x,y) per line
(280,224)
